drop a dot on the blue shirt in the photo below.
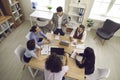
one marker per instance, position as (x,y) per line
(31,53)
(36,37)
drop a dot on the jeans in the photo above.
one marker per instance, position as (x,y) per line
(57,31)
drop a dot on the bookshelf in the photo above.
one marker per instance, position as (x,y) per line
(77,11)
(13,8)
(6,26)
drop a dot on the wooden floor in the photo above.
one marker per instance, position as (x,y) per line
(107,55)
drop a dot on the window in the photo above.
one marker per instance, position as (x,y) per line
(43,4)
(106,8)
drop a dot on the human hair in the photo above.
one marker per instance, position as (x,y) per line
(59,9)
(31,44)
(33,28)
(82,26)
(89,54)
(53,63)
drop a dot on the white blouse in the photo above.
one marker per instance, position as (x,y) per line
(55,76)
(83,37)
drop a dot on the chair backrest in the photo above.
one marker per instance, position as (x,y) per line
(103,73)
(110,26)
(19,51)
(28,36)
(98,74)
(42,22)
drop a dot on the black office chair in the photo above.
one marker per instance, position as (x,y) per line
(108,30)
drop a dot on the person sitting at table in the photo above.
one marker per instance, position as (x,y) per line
(54,69)
(59,21)
(37,34)
(88,60)
(78,33)
(30,51)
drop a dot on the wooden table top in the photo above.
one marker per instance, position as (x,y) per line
(73,72)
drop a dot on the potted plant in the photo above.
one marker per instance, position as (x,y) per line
(49,8)
(90,24)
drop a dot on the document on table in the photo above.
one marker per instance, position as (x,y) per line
(79,58)
(45,49)
(57,37)
(81,46)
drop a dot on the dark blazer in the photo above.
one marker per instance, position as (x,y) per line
(88,64)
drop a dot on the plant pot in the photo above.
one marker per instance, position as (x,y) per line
(88,28)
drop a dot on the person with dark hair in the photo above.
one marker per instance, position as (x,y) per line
(88,60)
(30,51)
(78,33)
(59,21)
(54,69)
(37,34)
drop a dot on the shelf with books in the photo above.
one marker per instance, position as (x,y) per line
(6,26)
(77,12)
(14,9)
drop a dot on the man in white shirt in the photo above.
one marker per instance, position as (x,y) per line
(59,21)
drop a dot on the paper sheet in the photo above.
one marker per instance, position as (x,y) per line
(57,37)
(76,51)
(45,49)
(81,46)
(79,58)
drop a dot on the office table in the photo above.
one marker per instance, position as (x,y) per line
(41,14)
(39,63)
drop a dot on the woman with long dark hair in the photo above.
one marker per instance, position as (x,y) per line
(54,69)
(88,60)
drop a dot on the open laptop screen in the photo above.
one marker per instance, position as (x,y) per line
(59,51)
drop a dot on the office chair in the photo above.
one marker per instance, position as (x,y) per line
(44,25)
(19,51)
(99,74)
(42,22)
(28,36)
(108,30)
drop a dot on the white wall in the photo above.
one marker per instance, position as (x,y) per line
(26,4)
(28,9)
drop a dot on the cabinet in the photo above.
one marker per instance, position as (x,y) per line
(77,11)
(6,26)
(13,8)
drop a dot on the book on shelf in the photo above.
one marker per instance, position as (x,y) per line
(81,11)
(80,19)
(11,2)
(17,6)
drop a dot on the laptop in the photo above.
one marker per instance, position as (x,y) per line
(59,51)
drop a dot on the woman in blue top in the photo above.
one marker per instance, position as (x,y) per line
(30,51)
(37,34)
